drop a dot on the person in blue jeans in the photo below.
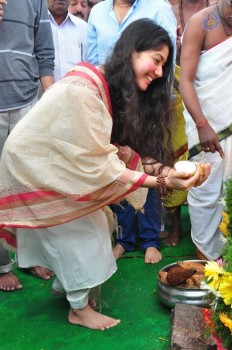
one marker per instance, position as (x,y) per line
(143,227)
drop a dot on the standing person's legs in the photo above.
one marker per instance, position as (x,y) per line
(127,228)
(80,254)
(8,281)
(206,205)
(12,118)
(174,236)
(150,226)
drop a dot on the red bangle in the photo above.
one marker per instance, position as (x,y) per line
(201,123)
(164,191)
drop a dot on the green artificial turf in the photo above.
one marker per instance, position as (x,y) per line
(34,319)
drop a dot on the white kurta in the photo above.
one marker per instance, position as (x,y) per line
(79,252)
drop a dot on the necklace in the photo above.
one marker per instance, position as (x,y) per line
(182,21)
(223,22)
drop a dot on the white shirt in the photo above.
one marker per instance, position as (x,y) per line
(69,43)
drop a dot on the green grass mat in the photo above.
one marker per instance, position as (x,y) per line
(35,319)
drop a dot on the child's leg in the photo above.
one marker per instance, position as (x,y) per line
(128,228)
(176,232)
(150,226)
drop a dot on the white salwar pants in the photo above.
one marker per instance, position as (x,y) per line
(79,252)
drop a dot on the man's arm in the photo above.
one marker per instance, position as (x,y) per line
(92,44)
(190,52)
(46,81)
(193,40)
(44,47)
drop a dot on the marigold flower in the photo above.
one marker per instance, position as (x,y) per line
(225,288)
(223,227)
(226,320)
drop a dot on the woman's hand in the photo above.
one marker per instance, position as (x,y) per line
(184,181)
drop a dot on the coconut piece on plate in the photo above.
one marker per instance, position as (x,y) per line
(177,275)
(199,267)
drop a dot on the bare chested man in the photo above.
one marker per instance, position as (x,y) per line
(183,11)
(205,86)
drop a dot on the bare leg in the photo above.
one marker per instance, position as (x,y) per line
(9,282)
(152,255)
(118,251)
(176,232)
(41,272)
(200,256)
(95,298)
(163,234)
(89,318)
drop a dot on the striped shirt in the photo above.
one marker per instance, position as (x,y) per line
(26,52)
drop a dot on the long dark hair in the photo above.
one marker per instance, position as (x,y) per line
(141,118)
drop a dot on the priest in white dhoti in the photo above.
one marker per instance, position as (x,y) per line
(205,85)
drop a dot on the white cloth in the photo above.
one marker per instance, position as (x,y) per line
(205,205)
(79,252)
(213,87)
(69,42)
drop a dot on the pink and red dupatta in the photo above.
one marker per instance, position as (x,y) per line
(58,163)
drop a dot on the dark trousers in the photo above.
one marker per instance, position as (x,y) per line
(138,226)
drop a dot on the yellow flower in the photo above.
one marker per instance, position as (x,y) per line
(226,320)
(223,227)
(225,288)
(214,272)
(226,218)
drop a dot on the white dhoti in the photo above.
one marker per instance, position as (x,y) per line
(205,203)
(213,87)
(79,252)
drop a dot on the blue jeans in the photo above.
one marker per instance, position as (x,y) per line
(145,227)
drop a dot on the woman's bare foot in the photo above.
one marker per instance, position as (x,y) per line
(89,318)
(9,282)
(41,272)
(118,251)
(152,255)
